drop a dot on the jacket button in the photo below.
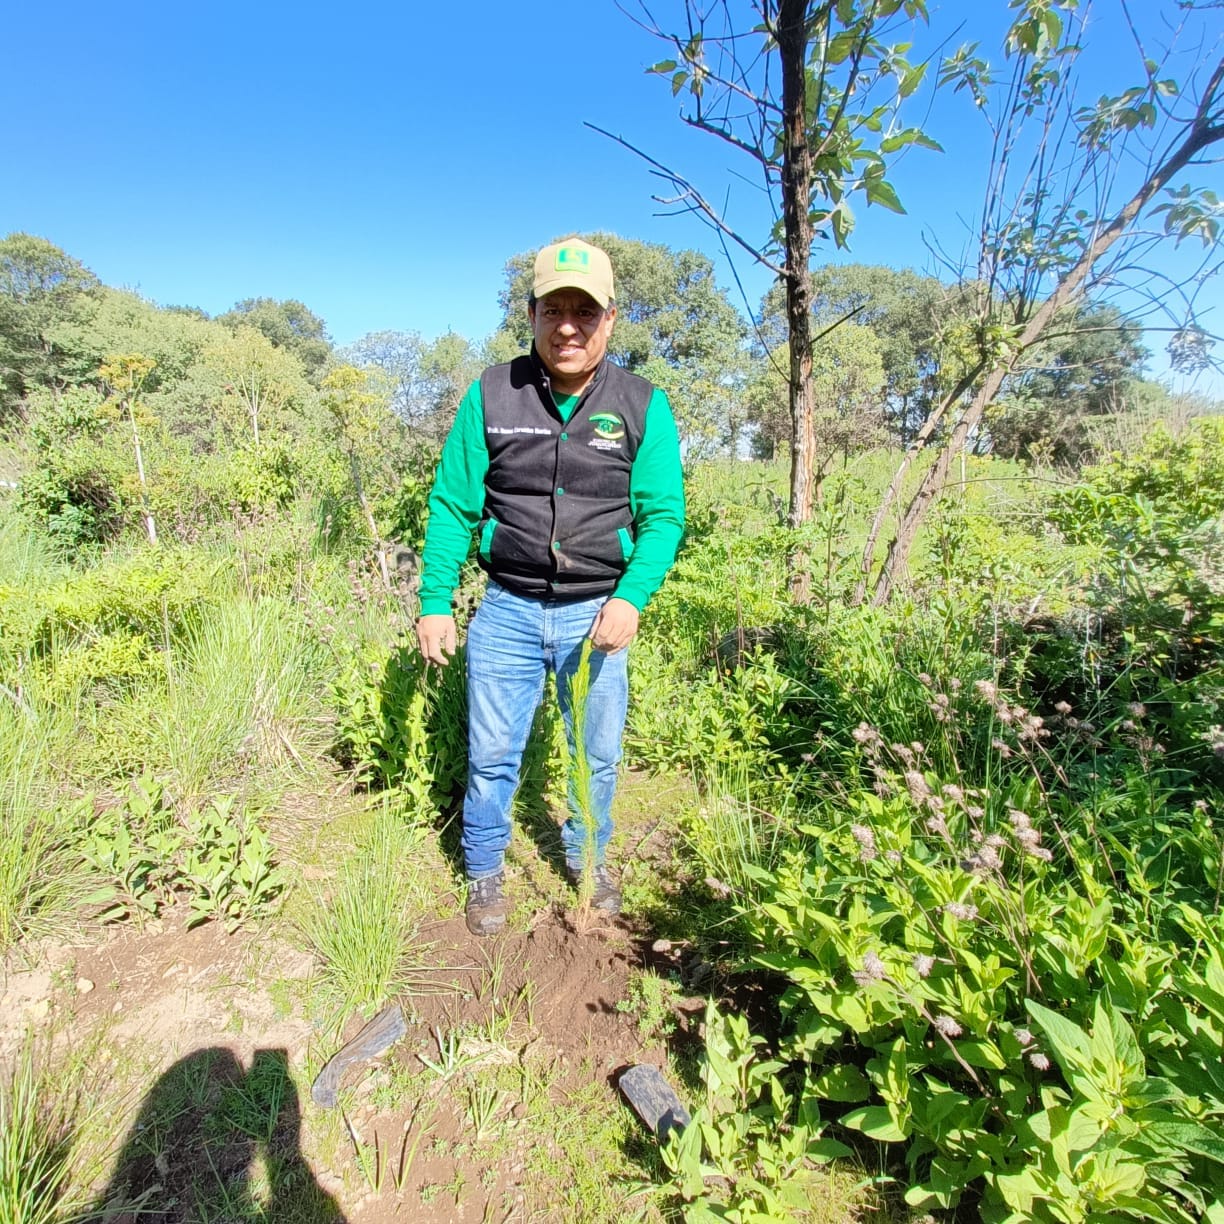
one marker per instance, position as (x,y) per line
(560,492)
(556,543)
(565,437)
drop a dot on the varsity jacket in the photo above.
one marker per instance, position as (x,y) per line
(570,497)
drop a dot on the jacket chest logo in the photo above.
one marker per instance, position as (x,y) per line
(609,429)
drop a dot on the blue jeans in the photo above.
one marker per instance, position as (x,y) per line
(513,642)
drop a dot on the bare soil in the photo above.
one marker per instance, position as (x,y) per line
(500,1103)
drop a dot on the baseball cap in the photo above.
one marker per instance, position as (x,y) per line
(574,264)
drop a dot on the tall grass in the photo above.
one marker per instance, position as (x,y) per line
(53,1146)
(39,873)
(364,928)
(239,693)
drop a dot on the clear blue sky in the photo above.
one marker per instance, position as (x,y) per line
(381,161)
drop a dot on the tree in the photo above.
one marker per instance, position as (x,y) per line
(1070,208)
(425,379)
(252,384)
(674,325)
(359,415)
(908,313)
(847,393)
(288,325)
(125,374)
(809,90)
(1084,367)
(40,286)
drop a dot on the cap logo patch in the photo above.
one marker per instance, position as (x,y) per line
(573,259)
(608,425)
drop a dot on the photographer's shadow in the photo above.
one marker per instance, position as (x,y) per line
(216,1142)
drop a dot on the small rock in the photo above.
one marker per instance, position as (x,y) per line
(84,986)
(38,1009)
(519,1112)
(661,945)
(162,1164)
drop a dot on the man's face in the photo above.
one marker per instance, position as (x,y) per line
(571,335)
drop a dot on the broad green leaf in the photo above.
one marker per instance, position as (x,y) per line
(881,192)
(876,1122)
(841,1083)
(1070,1043)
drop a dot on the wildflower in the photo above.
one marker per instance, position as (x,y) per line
(954,684)
(717,887)
(1023,1036)
(947,1026)
(917,747)
(872,971)
(925,679)
(1063,707)
(974,812)
(1001,748)
(865,734)
(1039,1061)
(1040,852)
(1004,714)
(986,859)
(996,841)
(923,965)
(866,840)
(918,788)
(966,913)
(893,856)
(1136,709)
(903,754)
(986,689)
(1019,819)
(936,824)
(1028,837)
(954,793)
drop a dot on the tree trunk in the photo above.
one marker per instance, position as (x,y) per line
(792,40)
(150,525)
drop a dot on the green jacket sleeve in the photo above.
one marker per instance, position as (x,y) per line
(455,504)
(656,497)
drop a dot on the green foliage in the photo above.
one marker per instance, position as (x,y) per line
(288,325)
(221,861)
(363,928)
(752,1133)
(38,1125)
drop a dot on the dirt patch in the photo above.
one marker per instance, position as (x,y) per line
(512,1049)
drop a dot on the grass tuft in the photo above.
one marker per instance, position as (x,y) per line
(364,929)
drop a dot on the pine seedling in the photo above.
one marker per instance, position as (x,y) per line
(580,778)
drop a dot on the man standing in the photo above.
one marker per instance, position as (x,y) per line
(568,468)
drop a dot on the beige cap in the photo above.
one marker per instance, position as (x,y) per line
(574,264)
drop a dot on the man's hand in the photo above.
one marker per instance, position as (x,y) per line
(615,626)
(436,636)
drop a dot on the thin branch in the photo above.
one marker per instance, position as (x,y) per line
(698,203)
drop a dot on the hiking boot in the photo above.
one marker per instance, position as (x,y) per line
(486,905)
(605,895)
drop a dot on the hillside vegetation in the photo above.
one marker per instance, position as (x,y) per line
(923,900)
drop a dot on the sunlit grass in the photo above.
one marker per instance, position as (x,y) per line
(363,927)
(52,1146)
(38,870)
(239,695)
